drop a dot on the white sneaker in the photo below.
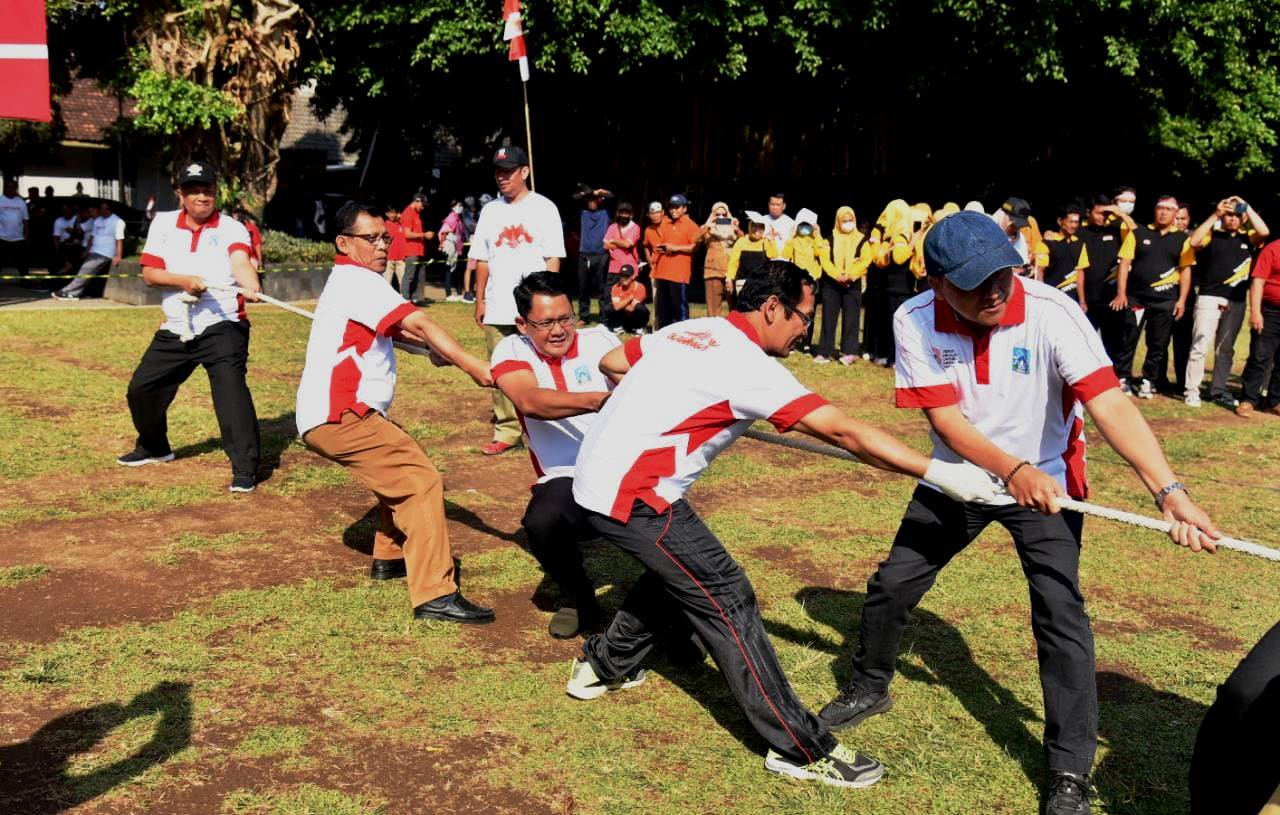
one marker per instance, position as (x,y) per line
(453,298)
(1145,391)
(842,768)
(640,332)
(618,330)
(883,362)
(1192,400)
(821,360)
(584,684)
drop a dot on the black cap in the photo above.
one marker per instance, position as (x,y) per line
(626,270)
(510,156)
(1018,211)
(197,172)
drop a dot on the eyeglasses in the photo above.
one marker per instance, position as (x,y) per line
(547,325)
(381,238)
(791,308)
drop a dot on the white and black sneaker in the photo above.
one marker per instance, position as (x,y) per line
(57,295)
(243,483)
(1145,391)
(841,768)
(584,684)
(139,457)
(1068,794)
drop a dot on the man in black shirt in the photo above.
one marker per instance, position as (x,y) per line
(1224,248)
(1103,238)
(1155,288)
(1061,259)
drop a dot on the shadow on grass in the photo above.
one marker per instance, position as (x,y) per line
(36,777)
(1149,733)
(276,436)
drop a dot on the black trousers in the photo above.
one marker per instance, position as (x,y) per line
(629,320)
(1233,768)
(1111,326)
(842,303)
(1182,331)
(668,298)
(886,346)
(872,308)
(223,350)
(935,529)
(689,569)
(1157,322)
(1264,350)
(556,525)
(592,270)
(13,254)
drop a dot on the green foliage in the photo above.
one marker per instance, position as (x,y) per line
(169,105)
(281,247)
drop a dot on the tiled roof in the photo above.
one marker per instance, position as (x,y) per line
(88,111)
(306,131)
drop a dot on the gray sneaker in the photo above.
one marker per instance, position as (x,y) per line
(584,684)
(841,768)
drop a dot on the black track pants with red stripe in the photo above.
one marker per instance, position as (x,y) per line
(689,568)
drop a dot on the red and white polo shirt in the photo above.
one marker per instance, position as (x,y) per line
(186,248)
(1022,383)
(553,444)
(694,387)
(351,362)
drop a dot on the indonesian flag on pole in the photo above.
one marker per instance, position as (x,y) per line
(24,62)
(513,32)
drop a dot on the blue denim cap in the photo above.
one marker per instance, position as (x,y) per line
(966,248)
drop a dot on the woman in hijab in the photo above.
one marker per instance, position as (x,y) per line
(718,233)
(841,288)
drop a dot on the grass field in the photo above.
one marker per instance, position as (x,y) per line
(168,647)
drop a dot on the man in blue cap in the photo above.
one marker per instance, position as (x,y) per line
(1003,367)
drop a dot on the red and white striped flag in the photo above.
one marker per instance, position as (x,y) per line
(24,62)
(513,32)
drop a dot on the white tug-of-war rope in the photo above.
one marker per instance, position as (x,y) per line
(1110,514)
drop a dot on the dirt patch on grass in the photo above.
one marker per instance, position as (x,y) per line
(1117,682)
(1156,615)
(31,408)
(801,564)
(1166,426)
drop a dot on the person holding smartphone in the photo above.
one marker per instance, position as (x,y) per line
(719,233)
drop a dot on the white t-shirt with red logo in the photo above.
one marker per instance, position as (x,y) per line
(202,251)
(694,387)
(553,444)
(1022,384)
(351,362)
(515,240)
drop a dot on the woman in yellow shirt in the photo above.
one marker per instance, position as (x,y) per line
(841,288)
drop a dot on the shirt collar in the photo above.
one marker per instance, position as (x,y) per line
(345,260)
(1159,231)
(740,322)
(947,321)
(572,353)
(183,224)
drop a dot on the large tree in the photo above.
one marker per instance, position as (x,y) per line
(211,78)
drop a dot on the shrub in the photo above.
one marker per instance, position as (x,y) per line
(281,247)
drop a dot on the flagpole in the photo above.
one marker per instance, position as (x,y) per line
(528,131)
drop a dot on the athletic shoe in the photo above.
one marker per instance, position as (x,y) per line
(1124,387)
(866,357)
(1145,391)
(841,768)
(585,685)
(243,483)
(57,295)
(1068,794)
(1226,400)
(883,362)
(853,705)
(139,457)
(618,331)
(821,360)
(496,448)
(468,298)
(1192,400)
(848,359)
(640,332)
(453,298)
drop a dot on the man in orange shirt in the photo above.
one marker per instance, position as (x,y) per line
(678,237)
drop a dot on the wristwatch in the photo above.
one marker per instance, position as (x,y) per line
(1164,493)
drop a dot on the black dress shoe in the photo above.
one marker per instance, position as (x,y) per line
(1069,794)
(388,569)
(453,608)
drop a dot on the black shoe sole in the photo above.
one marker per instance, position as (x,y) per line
(445,618)
(883,706)
(388,574)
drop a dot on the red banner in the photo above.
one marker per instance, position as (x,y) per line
(24,62)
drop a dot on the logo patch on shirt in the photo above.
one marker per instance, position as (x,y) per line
(946,357)
(699,340)
(1146,241)
(1021,361)
(513,236)
(1108,237)
(581,374)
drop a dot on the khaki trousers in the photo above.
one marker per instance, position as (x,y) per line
(411,523)
(507,427)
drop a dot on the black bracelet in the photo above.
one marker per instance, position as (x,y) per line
(1014,472)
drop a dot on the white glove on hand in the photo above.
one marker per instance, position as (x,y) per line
(962,481)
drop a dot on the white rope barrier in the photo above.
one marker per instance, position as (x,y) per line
(408,348)
(1095,510)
